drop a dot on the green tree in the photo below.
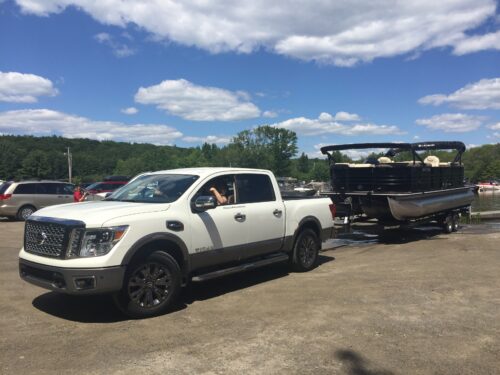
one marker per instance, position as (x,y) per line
(11,157)
(36,165)
(303,163)
(266,147)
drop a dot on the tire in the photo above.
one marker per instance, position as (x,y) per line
(142,294)
(24,212)
(305,251)
(448,225)
(456,223)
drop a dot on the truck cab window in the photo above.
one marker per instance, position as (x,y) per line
(222,188)
(253,188)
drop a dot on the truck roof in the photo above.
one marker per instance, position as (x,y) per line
(207,171)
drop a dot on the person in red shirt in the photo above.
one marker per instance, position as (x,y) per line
(79,195)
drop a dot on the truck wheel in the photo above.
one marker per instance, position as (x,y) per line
(448,224)
(150,287)
(456,222)
(24,212)
(305,251)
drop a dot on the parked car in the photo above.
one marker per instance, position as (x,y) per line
(98,190)
(164,229)
(20,199)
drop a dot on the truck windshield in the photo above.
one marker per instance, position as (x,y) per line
(154,188)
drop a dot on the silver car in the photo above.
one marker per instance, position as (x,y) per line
(20,199)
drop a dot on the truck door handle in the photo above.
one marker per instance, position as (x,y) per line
(240,217)
(277,212)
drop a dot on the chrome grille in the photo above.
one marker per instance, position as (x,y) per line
(46,239)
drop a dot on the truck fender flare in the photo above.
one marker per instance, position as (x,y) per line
(139,244)
(290,241)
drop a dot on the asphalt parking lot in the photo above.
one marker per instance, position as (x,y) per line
(418,303)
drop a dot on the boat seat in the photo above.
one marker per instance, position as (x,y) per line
(384,160)
(432,160)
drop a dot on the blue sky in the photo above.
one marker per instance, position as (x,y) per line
(191,72)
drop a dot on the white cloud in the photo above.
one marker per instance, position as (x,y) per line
(483,94)
(198,103)
(477,43)
(129,110)
(317,152)
(326,124)
(346,116)
(208,139)
(452,122)
(45,122)
(24,88)
(363,153)
(353,154)
(333,32)
(269,114)
(119,49)
(495,126)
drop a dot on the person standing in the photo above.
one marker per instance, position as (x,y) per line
(79,195)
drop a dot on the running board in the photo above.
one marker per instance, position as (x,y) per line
(275,258)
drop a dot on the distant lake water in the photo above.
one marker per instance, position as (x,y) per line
(486,202)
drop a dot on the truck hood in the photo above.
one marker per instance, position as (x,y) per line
(94,214)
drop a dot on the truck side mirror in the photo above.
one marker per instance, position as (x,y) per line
(204,202)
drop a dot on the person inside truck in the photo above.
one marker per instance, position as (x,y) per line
(219,191)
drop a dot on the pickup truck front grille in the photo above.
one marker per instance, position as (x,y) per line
(46,239)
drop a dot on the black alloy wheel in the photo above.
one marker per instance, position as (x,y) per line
(305,252)
(150,287)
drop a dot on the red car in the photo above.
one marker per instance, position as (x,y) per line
(101,188)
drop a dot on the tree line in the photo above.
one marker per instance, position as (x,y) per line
(266,147)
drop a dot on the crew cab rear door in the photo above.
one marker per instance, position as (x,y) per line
(265,214)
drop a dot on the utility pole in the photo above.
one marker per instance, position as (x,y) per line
(70,164)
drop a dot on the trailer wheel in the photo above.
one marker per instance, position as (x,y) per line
(305,251)
(150,287)
(456,222)
(448,224)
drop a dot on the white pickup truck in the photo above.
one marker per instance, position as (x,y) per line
(164,229)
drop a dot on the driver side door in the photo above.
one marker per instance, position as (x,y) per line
(219,235)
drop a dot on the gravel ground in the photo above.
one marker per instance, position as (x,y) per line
(420,302)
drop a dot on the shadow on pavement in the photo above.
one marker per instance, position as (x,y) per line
(83,309)
(402,236)
(101,309)
(356,365)
(231,283)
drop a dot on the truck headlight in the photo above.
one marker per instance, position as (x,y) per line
(96,242)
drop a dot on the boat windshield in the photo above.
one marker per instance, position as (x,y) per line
(154,188)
